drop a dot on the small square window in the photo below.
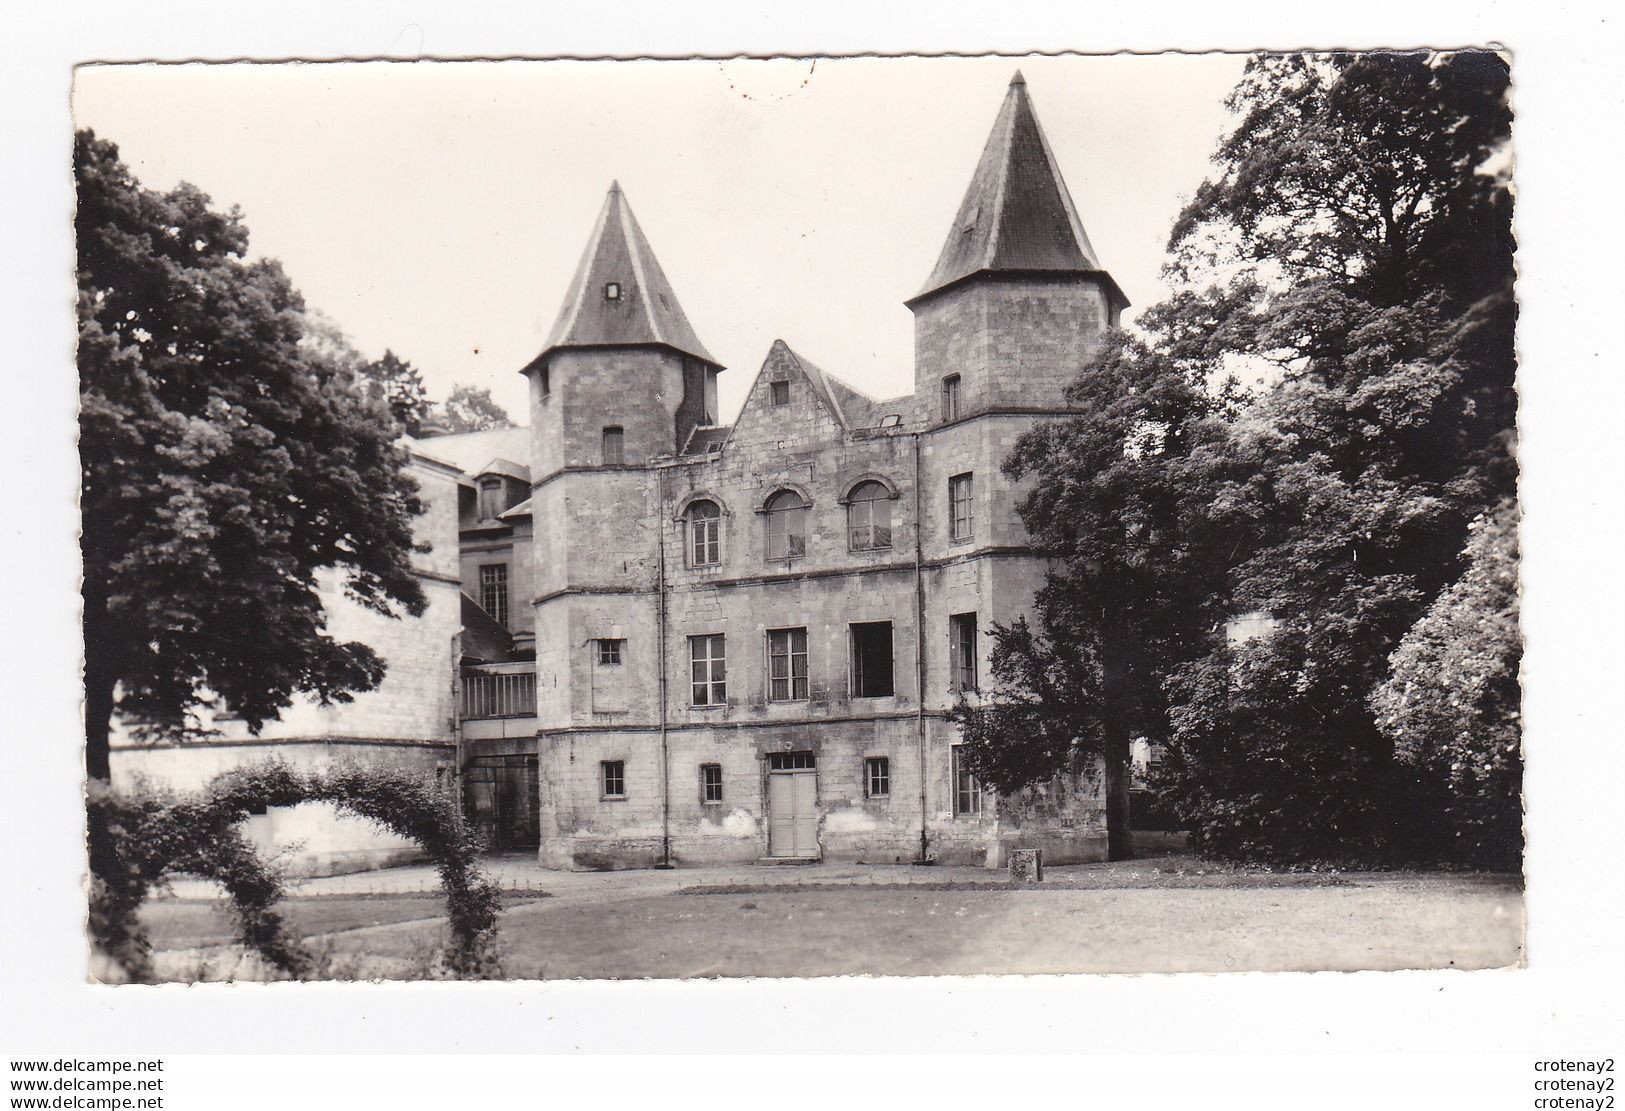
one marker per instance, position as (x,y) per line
(711,783)
(609,651)
(612,291)
(613,773)
(877,777)
(779,393)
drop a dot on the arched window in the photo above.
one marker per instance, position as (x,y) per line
(704,534)
(786,525)
(868,517)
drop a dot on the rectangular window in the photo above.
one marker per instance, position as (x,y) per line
(614,445)
(950,397)
(787,665)
(962,634)
(494,591)
(711,783)
(961,511)
(613,773)
(708,670)
(779,393)
(609,651)
(967,792)
(791,761)
(871,660)
(877,777)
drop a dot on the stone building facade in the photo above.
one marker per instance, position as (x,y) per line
(746,636)
(653,638)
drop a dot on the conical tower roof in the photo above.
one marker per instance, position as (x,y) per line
(620,296)
(1017,214)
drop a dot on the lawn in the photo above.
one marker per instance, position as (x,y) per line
(1291,923)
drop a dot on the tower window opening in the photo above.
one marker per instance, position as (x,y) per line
(950,397)
(967,790)
(612,291)
(962,628)
(961,506)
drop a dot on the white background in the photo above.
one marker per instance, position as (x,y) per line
(1568,97)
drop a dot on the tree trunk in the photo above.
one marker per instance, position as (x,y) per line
(100,682)
(1119,844)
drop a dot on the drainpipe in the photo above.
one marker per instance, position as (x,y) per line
(460,756)
(665,755)
(919,649)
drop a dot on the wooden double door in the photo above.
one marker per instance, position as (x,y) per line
(792,805)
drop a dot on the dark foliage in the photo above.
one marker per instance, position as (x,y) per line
(1354,251)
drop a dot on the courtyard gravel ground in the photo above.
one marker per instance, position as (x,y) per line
(1167,914)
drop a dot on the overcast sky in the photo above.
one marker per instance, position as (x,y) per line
(439,209)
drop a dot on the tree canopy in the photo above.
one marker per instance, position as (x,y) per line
(224,465)
(1353,248)
(468,409)
(400,386)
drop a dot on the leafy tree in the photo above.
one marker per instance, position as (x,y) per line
(468,409)
(1451,704)
(224,468)
(1354,245)
(1133,586)
(400,386)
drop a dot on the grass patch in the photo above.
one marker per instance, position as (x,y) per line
(201,923)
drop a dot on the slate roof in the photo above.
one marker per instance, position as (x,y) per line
(516,513)
(705,434)
(506,467)
(484,638)
(468,451)
(646,312)
(1017,214)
